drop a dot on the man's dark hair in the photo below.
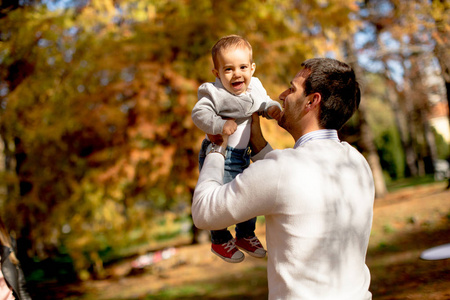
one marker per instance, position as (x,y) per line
(335,81)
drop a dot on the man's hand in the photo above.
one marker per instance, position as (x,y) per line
(274,112)
(218,139)
(229,127)
(257,141)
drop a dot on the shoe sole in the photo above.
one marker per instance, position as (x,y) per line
(252,253)
(233,261)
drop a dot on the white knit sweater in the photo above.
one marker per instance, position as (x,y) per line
(318,203)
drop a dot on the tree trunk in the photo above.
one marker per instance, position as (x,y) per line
(441,51)
(366,136)
(400,120)
(420,99)
(370,152)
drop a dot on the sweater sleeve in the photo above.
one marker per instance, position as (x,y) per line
(270,103)
(206,111)
(250,194)
(261,154)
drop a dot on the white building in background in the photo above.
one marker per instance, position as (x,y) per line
(437,96)
(439,120)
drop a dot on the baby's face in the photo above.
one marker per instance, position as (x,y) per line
(235,69)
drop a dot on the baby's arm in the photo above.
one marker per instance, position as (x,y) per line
(229,127)
(205,112)
(269,109)
(274,112)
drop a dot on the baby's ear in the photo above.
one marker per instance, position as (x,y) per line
(253,68)
(215,72)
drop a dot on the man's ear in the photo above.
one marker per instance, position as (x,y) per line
(313,101)
(317,98)
(253,68)
(215,72)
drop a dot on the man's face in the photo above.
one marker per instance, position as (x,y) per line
(235,69)
(293,102)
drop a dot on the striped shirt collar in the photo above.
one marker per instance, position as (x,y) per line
(322,134)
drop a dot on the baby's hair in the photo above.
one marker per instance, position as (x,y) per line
(227,42)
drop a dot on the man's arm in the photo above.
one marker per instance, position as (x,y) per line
(258,143)
(257,140)
(250,194)
(253,193)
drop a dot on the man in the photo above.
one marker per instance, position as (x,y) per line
(317,198)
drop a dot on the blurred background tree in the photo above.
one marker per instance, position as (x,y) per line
(96,96)
(405,41)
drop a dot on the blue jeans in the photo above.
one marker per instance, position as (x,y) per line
(236,161)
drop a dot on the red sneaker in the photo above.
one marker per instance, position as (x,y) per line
(252,246)
(228,252)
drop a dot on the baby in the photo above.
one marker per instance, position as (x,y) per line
(225,107)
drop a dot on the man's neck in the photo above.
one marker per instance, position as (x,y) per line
(304,130)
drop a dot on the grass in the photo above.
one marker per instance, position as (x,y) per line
(238,286)
(410,182)
(406,223)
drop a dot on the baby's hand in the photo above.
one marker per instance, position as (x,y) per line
(229,128)
(274,112)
